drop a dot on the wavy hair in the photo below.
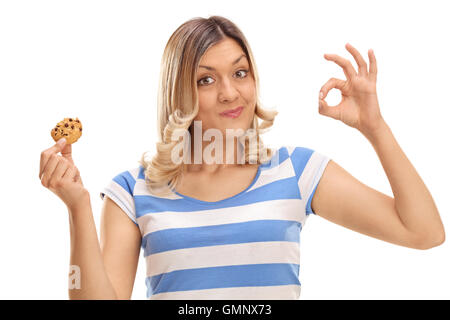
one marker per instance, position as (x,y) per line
(177,99)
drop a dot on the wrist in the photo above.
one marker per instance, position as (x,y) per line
(377,133)
(83,203)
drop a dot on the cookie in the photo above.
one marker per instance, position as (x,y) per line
(68,128)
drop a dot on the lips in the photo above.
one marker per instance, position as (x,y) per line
(233,112)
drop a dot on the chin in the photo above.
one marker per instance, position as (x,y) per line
(230,123)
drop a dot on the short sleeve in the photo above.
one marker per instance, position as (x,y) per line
(309,166)
(120,190)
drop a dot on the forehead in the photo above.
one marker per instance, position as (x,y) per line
(224,52)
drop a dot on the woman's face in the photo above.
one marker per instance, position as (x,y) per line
(224,82)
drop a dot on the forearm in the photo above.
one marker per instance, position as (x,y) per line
(86,254)
(413,202)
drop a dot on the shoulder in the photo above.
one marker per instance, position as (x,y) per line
(124,181)
(127,178)
(299,151)
(299,155)
(304,158)
(279,155)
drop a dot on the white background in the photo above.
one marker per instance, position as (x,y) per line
(100,61)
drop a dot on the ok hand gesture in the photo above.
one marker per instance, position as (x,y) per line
(359,105)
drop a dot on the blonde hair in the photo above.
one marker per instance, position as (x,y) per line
(178,99)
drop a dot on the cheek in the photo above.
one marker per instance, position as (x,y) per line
(249,93)
(207,112)
(205,103)
(250,98)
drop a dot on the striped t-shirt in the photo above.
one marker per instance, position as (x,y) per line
(243,247)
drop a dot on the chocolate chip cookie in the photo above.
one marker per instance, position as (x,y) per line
(68,128)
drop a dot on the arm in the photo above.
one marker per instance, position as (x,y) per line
(107,270)
(344,200)
(411,218)
(102,272)
(413,202)
(120,242)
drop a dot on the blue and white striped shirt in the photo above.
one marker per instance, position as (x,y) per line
(243,247)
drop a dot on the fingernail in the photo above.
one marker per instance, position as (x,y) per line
(61,141)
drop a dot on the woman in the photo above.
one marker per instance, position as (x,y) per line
(227,224)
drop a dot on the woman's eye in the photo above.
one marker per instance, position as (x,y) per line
(202,83)
(246,71)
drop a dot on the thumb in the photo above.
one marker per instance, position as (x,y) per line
(66,149)
(60,144)
(324,109)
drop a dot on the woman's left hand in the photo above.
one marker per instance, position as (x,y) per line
(359,105)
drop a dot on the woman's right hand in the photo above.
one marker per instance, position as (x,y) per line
(59,174)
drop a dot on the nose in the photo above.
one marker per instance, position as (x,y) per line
(227,91)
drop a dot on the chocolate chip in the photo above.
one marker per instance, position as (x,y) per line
(81,129)
(66,134)
(77,121)
(70,119)
(66,125)
(56,129)
(72,126)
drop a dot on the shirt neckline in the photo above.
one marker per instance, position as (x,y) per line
(258,173)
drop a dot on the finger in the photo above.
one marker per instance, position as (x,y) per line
(60,169)
(326,110)
(48,170)
(373,69)
(346,65)
(362,65)
(70,174)
(331,84)
(45,155)
(78,176)
(66,152)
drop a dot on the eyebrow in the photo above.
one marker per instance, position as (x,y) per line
(234,62)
